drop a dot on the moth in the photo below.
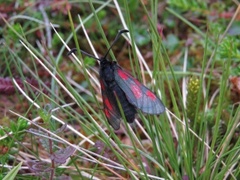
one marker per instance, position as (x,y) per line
(120,88)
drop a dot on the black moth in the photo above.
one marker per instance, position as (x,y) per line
(119,86)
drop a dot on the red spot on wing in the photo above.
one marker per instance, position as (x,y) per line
(107,113)
(108,104)
(137,82)
(151,95)
(122,74)
(136,91)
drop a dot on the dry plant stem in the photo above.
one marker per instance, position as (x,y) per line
(75,57)
(88,40)
(143,130)
(135,138)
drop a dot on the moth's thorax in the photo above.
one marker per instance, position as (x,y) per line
(107,70)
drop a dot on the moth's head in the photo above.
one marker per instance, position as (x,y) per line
(105,62)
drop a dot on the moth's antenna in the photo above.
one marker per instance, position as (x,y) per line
(115,40)
(85,53)
(90,55)
(73,50)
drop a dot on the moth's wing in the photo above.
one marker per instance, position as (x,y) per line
(138,94)
(110,106)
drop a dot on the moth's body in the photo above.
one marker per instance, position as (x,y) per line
(120,89)
(113,93)
(119,86)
